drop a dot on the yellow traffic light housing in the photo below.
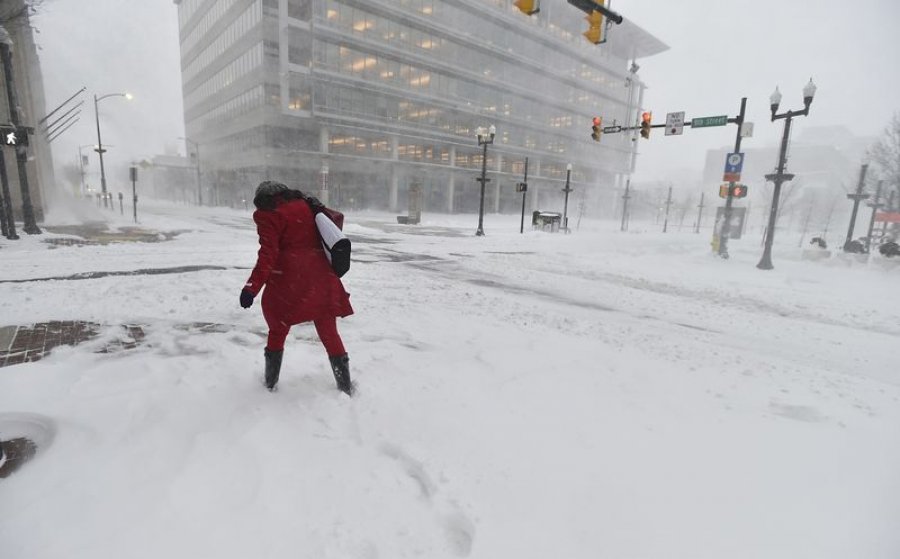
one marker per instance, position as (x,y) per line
(596,129)
(646,123)
(723,191)
(528,7)
(595,20)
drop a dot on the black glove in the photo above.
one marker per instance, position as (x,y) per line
(246,298)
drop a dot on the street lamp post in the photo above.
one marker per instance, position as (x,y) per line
(197,152)
(485,137)
(780,177)
(99,149)
(566,203)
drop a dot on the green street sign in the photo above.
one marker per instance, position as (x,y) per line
(704,121)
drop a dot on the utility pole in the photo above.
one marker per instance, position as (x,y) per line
(625,199)
(30,225)
(668,204)
(875,205)
(699,213)
(857,197)
(726,215)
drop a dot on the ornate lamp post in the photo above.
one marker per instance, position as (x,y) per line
(779,176)
(485,137)
(99,149)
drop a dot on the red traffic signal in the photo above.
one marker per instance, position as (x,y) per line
(595,128)
(646,119)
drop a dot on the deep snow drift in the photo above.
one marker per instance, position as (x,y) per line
(598,394)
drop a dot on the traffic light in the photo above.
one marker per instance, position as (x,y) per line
(646,119)
(595,129)
(528,7)
(13,136)
(723,191)
(739,191)
(594,33)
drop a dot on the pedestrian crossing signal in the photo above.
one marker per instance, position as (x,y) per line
(14,136)
(739,191)
(595,129)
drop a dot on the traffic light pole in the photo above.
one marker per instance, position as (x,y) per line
(726,215)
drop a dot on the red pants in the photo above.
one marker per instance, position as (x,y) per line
(326,328)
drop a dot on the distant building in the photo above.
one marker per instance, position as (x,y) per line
(26,71)
(171,177)
(361,101)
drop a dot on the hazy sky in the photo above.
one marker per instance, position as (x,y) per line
(719,52)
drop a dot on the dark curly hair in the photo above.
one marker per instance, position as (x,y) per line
(270,193)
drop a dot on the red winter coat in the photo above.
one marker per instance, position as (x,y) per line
(300,284)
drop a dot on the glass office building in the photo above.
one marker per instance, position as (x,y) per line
(359,101)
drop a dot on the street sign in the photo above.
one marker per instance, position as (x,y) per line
(674,124)
(705,121)
(735,224)
(747,130)
(611,129)
(734,162)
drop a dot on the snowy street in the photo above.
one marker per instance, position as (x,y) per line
(599,394)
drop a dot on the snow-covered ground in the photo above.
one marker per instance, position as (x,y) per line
(600,394)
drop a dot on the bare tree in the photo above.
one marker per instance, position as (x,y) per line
(885,154)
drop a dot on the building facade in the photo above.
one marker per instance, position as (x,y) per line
(26,73)
(359,101)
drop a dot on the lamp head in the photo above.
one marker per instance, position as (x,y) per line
(492,130)
(809,92)
(568,166)
(774,101)
(129,96)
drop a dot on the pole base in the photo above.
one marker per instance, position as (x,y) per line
(765,264)
(479,233)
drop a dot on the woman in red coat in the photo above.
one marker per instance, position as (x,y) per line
(300,284)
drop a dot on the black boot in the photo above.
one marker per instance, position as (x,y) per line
(340,366)
(273,367)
